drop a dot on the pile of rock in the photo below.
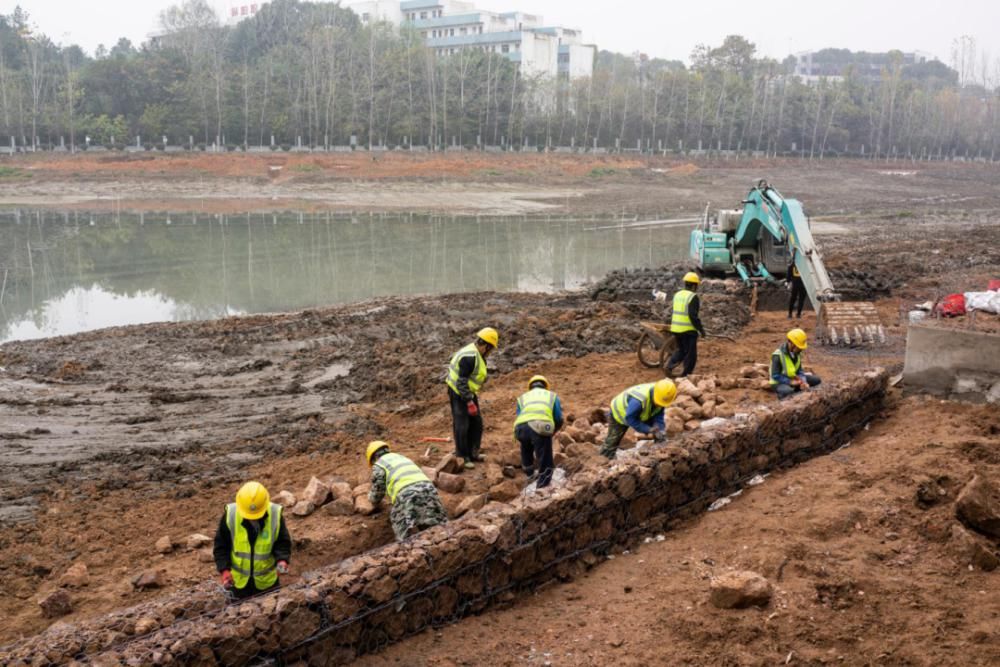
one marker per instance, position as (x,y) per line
(335,495)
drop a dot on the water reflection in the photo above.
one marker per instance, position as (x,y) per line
(64,272)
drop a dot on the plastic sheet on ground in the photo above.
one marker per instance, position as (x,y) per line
(558,480)
(988,301)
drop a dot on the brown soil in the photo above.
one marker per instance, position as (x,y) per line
(112,439)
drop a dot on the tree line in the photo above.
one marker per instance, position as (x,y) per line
(312,73)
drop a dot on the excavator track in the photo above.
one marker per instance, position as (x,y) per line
(850,323)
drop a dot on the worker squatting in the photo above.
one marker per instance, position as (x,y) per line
(252,543)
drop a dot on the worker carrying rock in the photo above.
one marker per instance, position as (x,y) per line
(415,501)
(787,376)
(640,407)
(539,417)
(252,545)
(466,376)
(685,325)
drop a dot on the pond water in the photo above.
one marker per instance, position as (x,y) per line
(62,272)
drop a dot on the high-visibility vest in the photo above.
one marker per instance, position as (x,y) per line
(642,393)
(790,365)
(536,405)
(478,376)
(680,321)
(400,472)
(260,564)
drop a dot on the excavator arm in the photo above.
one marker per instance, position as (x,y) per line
(767,212)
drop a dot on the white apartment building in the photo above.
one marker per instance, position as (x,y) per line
(448,26)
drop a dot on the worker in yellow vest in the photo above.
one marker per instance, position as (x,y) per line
(415,501)
(640,407)
(539,417)
(252,545)
(685,325)
(787,376)
(466,376)
(793,279)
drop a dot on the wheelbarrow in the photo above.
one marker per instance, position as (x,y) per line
(655,345)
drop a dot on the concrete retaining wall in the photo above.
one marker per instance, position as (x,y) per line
(953,362)
(490,556)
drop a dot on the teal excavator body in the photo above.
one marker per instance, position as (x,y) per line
(758,241)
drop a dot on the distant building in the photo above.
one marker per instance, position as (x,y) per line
(832,64)
(232,12)
(449,26)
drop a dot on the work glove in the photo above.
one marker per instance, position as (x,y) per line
(473,408)
(227,579)
(659,436)
(282,567)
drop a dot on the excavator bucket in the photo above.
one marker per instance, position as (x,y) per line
(850,323)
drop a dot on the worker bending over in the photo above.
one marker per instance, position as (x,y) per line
(685,325)
(415,501)
(466,375)
(252,546)
(539,417)
(640,407)
(787,376)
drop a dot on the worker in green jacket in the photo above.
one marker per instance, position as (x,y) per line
(415,501)
(685,325)
(252,545)
(466,376)
(641,408)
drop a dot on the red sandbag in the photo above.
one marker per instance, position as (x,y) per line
(994,286)
(952,305)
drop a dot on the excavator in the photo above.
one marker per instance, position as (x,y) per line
(756,242)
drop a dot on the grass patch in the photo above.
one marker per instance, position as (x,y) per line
(598,172)
(306,168)
(13,172)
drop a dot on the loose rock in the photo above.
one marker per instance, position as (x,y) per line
(75,576)
(450,483)
(341,490)
(343,506)
(449,464)
(970,549)
(303,508)
(164,545)
(470,504)
(284,498)
(505,491)
(55,604)
(362,505)
(741,589)
(148,579)
(197,541)
(316,492)
(978,506)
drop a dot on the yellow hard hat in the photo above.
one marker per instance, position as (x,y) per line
(373,447)
(252,500)
(692,277)
(538,378)
(664,392)
(798,338)
(490,335)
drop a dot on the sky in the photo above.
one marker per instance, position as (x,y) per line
(659,28)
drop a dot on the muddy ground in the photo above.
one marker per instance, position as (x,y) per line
(111,439)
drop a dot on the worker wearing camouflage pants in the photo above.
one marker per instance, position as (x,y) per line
(415,501)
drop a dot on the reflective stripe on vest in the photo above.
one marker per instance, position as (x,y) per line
(642,393)
(478,376)
(258,562)
(536,405)
(791,367)
(400,472)
(680,321)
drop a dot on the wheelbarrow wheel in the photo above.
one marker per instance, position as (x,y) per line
(666,351)
(650,354)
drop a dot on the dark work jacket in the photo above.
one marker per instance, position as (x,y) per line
(693,307)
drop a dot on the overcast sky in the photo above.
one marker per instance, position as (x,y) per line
(660,28)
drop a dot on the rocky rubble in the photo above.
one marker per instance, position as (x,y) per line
(463,566)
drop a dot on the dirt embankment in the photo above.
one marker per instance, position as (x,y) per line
(601,185)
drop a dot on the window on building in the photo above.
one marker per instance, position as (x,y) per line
(423,15)
(480,30)
(253,9)
(423,34)
(364,17)
(451,32)
(244,10)
(505,48)
(235,11)
(462,31)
